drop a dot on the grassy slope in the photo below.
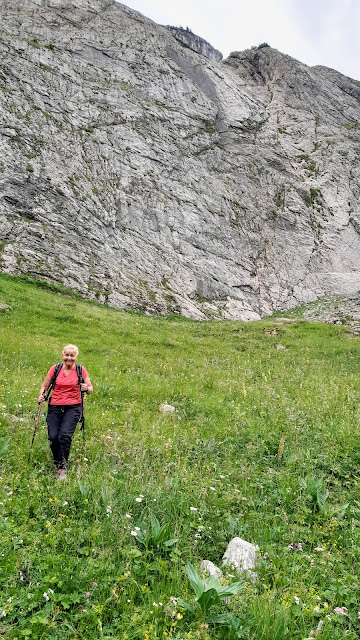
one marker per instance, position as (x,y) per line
(236,395)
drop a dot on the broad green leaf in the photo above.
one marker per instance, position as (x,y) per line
(185,605)
(208,599)
(67,599)
(195,579)
(230,589)
(140,537)
(212,583)
(83,489)
(169,543)
(163,533)
(155,525)
(4,445)
(40,618)
(134,553)
(224,618)
(321,498)
(234,621)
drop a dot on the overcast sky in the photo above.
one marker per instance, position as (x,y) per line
(322,32)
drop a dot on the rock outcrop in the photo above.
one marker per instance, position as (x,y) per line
(194,42)
(141,173)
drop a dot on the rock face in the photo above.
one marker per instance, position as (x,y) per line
(197,44)
(143,174)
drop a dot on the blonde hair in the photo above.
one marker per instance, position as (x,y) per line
(71,347)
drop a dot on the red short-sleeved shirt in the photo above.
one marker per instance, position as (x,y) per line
(66,390)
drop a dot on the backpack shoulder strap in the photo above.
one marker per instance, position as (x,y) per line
(53,380)
(57,370)
(79,371)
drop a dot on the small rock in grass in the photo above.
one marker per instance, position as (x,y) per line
(4,307)
(167,408)
(242,556)
(15,418)
(271,331)
(209,567)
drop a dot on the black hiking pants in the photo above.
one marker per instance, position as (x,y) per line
(62,421)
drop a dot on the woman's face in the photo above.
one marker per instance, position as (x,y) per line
(69,356)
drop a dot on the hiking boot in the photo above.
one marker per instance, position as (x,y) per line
(61,474)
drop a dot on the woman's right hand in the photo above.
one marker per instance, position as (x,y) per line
(41,398)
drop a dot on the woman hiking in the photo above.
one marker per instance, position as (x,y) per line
(65,404)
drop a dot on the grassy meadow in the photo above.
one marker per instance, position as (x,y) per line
(263,444)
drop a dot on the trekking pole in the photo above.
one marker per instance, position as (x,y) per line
(82,393)
(82,419)
(36,424)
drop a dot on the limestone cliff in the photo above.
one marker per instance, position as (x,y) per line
(194,42)
(144,174)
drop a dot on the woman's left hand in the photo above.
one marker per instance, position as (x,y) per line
(86,386)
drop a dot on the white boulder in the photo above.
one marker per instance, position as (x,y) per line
(242,555)
(167,408)
(209,567)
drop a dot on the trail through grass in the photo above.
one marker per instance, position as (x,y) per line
(263,444)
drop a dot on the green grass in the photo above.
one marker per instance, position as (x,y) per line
(236,396)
